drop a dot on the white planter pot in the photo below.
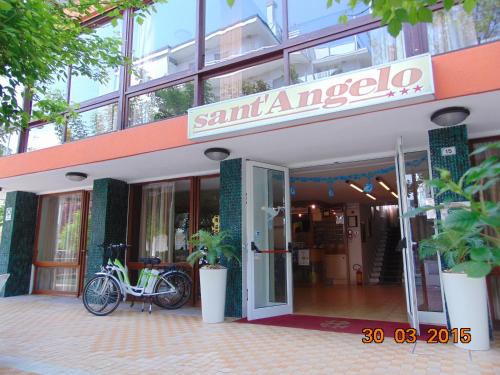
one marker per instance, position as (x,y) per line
(467,302)
(213,294)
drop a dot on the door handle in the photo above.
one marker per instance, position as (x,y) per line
(290,247)
(254,247)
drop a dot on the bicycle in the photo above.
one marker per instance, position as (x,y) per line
(169,288)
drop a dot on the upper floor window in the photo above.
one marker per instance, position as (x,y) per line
(43,136)
(164,43)
(9,143)
(248,26)
(307,16)
(93,122)
(84,88)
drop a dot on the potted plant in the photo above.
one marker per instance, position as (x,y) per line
(210,249)
(467,240)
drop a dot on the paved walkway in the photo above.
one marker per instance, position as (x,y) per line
(55,335)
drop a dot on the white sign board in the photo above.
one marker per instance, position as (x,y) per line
(448,151)
(303,257)
(8,214)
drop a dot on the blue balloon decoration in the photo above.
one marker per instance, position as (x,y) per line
(331,193)
(368,188)
(292,191)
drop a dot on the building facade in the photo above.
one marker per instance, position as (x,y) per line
(282,86)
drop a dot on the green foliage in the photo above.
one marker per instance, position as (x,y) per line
(69,238)
(253,87)
(2,211)
(211,247)
(468,235)
(40,39)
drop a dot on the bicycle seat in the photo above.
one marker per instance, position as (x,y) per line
(150,260)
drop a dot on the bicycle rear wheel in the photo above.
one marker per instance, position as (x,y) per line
(101,295)
(176,286)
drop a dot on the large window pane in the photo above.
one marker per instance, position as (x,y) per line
(247,26)
(84,88)
(60,279)
(161,104)
(306,16)
(9,143)
(246,81)
(164,227)
(164,43)
(209,204)
(59,233)
(44,136)
(96,121)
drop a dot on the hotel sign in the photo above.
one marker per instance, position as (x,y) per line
(359,91)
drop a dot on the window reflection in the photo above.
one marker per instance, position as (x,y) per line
(96,121)
(44,136)
(247,26)
(161,104)
(84,88)
(307,16)
(209,204)
(56,89)
(164,43)
(246,81)
(9,142)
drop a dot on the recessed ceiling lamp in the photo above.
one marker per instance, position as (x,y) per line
(371,197)
(76,176)
(450,116)
(313,206)
(354,186)
(217,153)
(382,183)
(394,194)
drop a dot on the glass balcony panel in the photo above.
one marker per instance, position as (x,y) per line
(96,121)
(164,43)
(248,26)
(243,82)
(161,104)
(43,136)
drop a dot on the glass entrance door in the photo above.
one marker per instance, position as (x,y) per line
(268,235)
(406,239)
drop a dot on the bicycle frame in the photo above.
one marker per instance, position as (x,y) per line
(147,280)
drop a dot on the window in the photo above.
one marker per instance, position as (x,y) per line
(9,142)
(246,81)
(84,88)
(307,16)
(44,136)
(96,121)
(58,244)
(164,225)
(209,204)
(344,55)
(164,43)
(161,104)
(248,26)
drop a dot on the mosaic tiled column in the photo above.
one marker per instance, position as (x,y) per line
(108,219)
(231,221)
(17,242)
(455,136)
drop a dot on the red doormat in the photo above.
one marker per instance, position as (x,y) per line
(337,324)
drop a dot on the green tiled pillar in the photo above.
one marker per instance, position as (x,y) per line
(231,221)
(454,136)
(17,242)
(108,219)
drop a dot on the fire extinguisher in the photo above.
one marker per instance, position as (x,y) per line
(359,274)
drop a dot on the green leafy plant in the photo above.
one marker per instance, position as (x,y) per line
(212,248)
(468,231)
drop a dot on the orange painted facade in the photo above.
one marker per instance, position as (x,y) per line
(456,74)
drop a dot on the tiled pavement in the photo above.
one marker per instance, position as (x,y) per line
(55,335)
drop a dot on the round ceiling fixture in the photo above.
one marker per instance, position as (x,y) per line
(217,153)
(76,176)
(450,116)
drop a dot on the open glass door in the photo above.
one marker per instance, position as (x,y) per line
(407,240)
(269,257)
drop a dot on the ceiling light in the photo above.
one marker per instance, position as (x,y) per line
(394,194)
(76,176)
(354,186)
(382,183)
(217,153)
(371,197)
(450,116)
(300,215)
(313,206)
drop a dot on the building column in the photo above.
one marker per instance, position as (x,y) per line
(457,163)
(231,221)
(17,242)
(108,219)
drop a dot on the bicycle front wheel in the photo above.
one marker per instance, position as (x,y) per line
(101,295)
(175,287)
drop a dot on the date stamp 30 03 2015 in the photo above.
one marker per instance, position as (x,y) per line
(409,335)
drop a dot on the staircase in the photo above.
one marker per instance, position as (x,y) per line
(387,266)
(378,258)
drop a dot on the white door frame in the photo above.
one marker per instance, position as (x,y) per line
(282,309)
